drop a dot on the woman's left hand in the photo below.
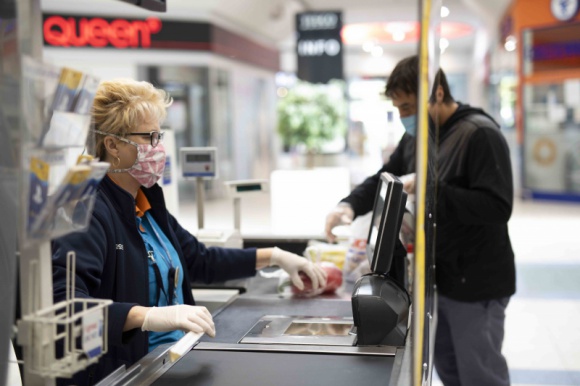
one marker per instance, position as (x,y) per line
(293,264)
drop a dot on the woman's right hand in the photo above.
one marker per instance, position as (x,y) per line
(181,317)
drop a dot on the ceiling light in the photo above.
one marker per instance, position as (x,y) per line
(444,11)
(510,43)
(398,30)
(377,51)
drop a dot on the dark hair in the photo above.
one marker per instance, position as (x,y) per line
(441,80)
(404,77)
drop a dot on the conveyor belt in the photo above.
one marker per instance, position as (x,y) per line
(224,368)
(217,361)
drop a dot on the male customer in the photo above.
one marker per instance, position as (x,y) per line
(402,162)
(475,270)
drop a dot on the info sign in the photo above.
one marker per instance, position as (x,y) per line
(319,46)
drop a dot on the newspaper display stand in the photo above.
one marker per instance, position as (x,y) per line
(59,184)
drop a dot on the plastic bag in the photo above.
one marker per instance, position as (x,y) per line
(356,258)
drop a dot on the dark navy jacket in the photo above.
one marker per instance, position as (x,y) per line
(111,263)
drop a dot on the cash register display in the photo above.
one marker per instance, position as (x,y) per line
(386,222)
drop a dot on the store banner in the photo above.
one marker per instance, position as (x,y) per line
(120,33)
(319,46)
(551,49)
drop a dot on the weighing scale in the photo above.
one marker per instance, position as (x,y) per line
(200,163)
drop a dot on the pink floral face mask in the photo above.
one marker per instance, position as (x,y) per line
(149,164)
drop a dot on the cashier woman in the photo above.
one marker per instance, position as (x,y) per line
(134,251)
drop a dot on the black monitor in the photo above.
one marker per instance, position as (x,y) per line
(380,306)
(386,222)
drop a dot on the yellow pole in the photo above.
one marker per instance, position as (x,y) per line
(421,183)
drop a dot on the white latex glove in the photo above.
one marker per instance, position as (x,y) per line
(293,264)
(408,181)
(181,317)
(342,214)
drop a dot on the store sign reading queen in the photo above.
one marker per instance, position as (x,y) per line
(99,32)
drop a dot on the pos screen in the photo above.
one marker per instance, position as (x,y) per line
(388,213)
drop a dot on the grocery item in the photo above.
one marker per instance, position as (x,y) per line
(323,252)
(333,282)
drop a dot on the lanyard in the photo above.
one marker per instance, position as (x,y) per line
(173,279)
(173,274)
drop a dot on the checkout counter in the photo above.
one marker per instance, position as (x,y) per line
(357,335)
(223,360)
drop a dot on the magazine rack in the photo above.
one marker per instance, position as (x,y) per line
(58,185)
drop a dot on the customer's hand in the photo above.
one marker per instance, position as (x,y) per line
(293,264)
(181,317)
(342,214)
(408,181)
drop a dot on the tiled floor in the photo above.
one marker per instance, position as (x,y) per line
(542,340)
(542,337)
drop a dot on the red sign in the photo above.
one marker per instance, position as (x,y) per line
(98,32)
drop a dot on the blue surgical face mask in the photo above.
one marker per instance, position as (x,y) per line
(410,124)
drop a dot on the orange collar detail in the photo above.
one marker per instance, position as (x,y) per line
(142,204)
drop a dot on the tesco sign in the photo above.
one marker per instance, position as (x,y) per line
(97,32)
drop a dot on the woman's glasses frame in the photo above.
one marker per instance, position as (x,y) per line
(155,136)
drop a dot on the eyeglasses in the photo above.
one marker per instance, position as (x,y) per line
(155,136)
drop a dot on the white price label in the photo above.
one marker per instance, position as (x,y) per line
(93,334)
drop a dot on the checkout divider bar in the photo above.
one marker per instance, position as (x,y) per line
(145,372)
(158,362)
(300,348)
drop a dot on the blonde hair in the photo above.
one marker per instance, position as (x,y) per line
(121,105)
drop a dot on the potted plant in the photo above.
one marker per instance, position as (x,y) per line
(311,115)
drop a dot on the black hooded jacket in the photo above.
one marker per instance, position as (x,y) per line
(474,257)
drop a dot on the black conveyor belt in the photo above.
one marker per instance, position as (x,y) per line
(224,368)
(204,367)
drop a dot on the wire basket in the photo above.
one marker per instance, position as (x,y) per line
(68,336)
